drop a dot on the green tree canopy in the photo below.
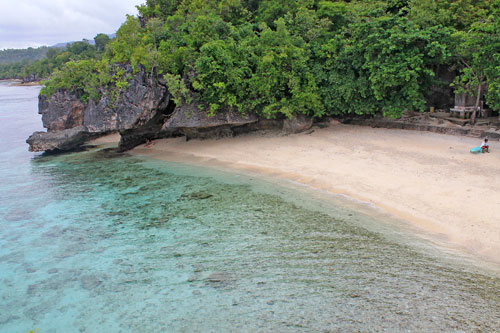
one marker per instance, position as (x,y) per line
(316,57)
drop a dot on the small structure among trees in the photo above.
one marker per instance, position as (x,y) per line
(465,104)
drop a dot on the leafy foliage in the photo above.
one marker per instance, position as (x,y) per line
(479,58)
(45,60)
(283,58)
(87,79)
(10,56)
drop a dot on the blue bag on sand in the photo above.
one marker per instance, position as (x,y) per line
(476,150)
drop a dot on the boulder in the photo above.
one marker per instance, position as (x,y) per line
(64,140)
(297,124)
(189,120)
(190,116)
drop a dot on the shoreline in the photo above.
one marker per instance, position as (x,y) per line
(410,181)
(27,84)
(20,83)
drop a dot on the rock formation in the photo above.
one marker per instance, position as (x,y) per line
(297,124)
(66,116)
(188,120)
(144,111)
(63,140)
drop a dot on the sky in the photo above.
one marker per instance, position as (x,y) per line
(25,23)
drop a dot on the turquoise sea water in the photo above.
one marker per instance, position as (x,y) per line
(101,242)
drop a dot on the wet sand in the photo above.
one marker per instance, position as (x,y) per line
(427,179)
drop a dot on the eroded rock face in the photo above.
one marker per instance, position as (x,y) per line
(61,111)
(133,107)
(66,116)
(189,116)
(67,139)
(144,111)
(297,124)
(193,123)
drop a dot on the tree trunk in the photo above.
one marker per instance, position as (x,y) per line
(478,98)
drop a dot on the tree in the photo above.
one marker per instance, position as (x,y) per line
(478,54)
(124,47)
(101,40)
(283,58)
(282,83)
(80,48)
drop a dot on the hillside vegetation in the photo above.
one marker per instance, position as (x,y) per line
(283,58)
(10,56)
(45,60)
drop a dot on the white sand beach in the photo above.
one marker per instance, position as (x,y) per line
(430,180)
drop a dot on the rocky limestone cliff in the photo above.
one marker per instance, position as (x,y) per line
(63,140)
(137,107)
(144,111)
(189,121)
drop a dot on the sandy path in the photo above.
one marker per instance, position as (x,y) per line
(428,179)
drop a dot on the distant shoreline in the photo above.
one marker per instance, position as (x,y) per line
(10,80)
(28,84)
(19,83)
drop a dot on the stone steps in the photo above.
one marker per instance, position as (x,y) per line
(475,133)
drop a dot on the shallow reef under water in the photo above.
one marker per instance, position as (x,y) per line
(97,240)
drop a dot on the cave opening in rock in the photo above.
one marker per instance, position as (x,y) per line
(151,130)
(167,111)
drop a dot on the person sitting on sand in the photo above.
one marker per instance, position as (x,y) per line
(485,146)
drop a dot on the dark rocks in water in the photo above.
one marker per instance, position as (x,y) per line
(32,289)
(219,279)
(90,282)
(63,140)
(18,215)
(197,195)
(5,318)
(156,223)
